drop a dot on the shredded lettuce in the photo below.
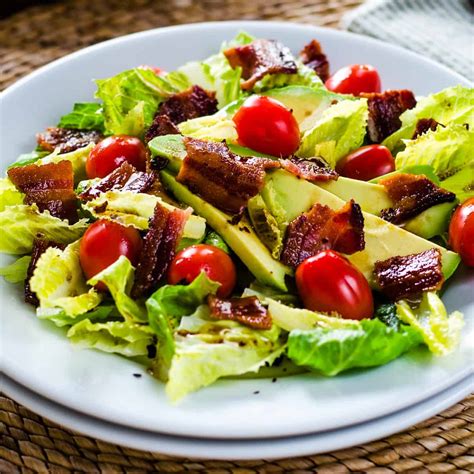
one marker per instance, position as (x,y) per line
(440,332)
(16,272)
(60,318)
(84,116)
(21,224)
(9,195)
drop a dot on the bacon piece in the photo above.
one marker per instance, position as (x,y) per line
(225,180)
(411,194)
(49,186)
(66,139)
(39,247)
(423,125)
(159,248)
(408,276)
(161,125)
(248,311)
(259,58)
(312,55)
(314,170)
(321,228)
(385,109)
(124,178)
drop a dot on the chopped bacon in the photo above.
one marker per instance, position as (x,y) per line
(225,180)
(124,178)
(312,55)
(248,311)
(159,248)
(39,247)
(67,139)
(259,58)
(411,194)
(49,186)
(161,125)
(385,109)
(408,276)
(315,169)
(321,228)
(423,125)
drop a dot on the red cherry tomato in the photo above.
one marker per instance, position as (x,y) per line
(329,282)
(267,126)
(111,152)
(354,80)
(366,163)
(103,243)
(461,231)
(189,263)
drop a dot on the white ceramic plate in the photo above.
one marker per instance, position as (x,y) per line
(275,448)
(38,356)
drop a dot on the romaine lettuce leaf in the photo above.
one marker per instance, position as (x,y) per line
(121,337)
(341,129)
(16,272)
(440,332)
(167,306)
(461,183)
(59,317)
(21,224)
(28,158)
(58,282)
(367,343)
(84,116)
(118,278)
(9,195)
(454,105)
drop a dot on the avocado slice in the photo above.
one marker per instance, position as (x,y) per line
(432,222)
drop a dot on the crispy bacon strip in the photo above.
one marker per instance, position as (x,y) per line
(161,125)
(321,228)
(248,311)
(411,194)
(312,55)
(385,109)
(159,248)
(39,247)
(408,276)
(423,125)
(259,58)
(314,170)
(124,178)
(225,180)
(49,186)
(67,139)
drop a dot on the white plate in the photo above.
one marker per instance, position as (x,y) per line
(276,448)
(37,355)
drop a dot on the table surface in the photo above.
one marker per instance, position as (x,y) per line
(30,443)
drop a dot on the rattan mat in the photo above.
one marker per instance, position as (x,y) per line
(30,443)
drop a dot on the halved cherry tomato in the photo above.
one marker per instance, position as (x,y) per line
(461,231)
(219,267)
(354,80)
(329,282)
(111,152)
(267,126)
(366,163)
(103,243)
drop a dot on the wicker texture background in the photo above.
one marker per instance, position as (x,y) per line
(30,443)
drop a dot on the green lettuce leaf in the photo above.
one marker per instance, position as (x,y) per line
(60,318)
(213,238)
(16,272)
(58,282)
(440,332)
(21,224)
(461,183)
(167,306)
(84,116)
(387,313)
(454,105)
(121,337)
(9,195)
(341,129)
(28,158)
(366,344)
(118,278)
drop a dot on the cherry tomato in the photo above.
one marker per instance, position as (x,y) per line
(354,80)
(189,263)
(329,282)
(103,243)
(461,231)
(366,163)
(267,126)
(111,152)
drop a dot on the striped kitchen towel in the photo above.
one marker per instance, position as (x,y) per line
(440,29)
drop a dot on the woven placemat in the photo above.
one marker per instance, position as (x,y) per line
(30,443)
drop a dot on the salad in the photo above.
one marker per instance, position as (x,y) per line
(248,213)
